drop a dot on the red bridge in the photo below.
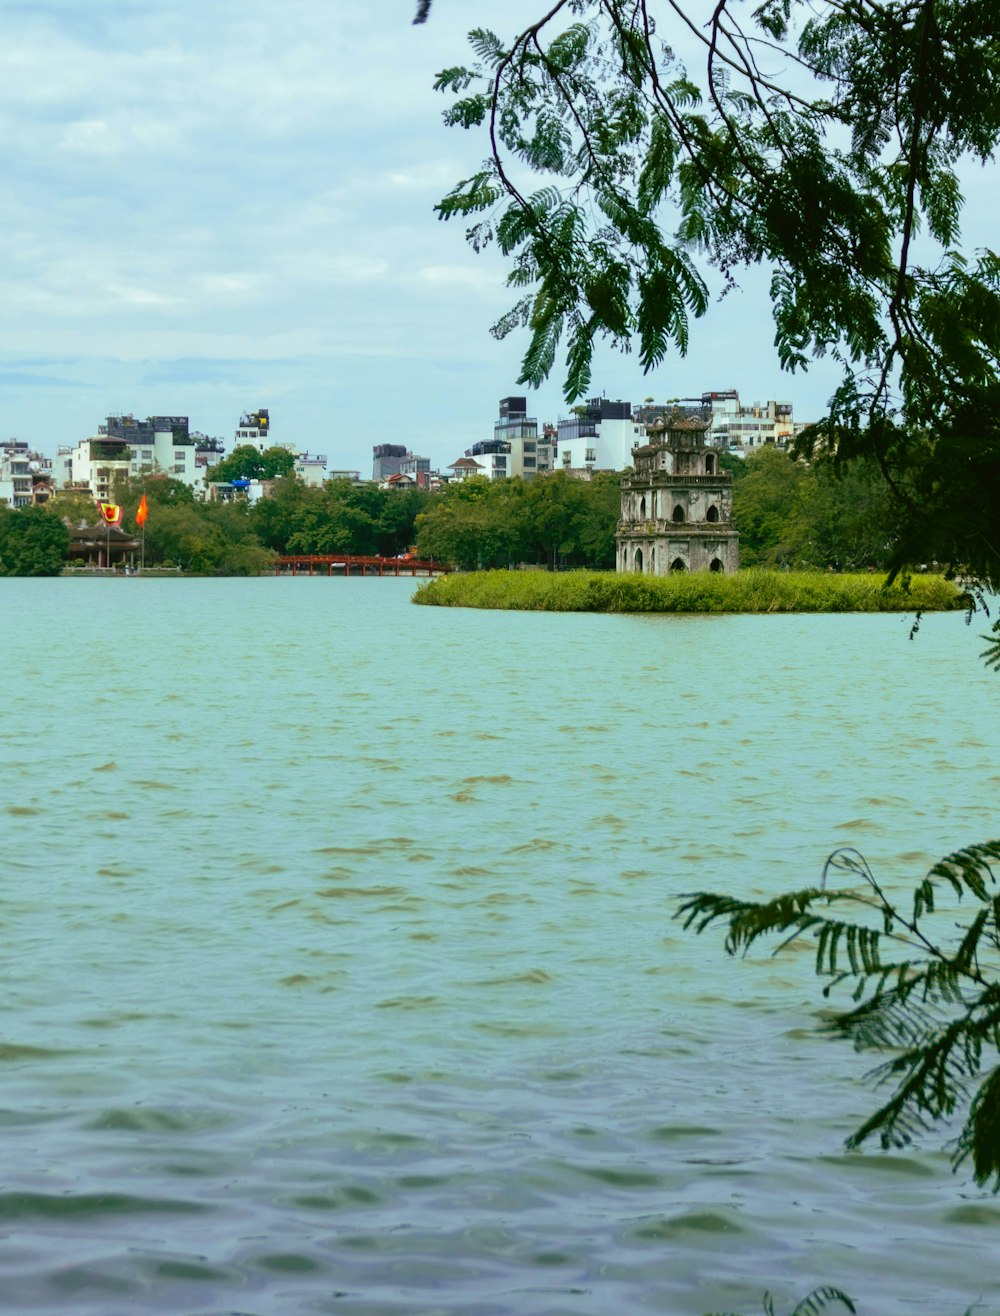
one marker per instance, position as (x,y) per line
(328,564)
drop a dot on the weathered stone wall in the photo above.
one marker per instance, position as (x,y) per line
(677,507)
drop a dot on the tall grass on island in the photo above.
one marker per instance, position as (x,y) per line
(753,590)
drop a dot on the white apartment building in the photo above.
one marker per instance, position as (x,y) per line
(743,427)
(126,446)
(600,437)
(20,470)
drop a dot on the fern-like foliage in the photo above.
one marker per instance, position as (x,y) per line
(932,1006)
(811,1305)
(991,654)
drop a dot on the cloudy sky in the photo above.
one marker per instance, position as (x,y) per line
(216,205)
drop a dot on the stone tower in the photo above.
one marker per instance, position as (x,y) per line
(677,504)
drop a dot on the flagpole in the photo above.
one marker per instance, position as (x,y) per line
(141,512)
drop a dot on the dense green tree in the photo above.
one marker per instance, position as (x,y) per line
(33,542)
(768,501)
(205,538)
(853,520)
(246,463)
(648,173)
(340,517)
(552,520)
(471,526)
(74,507)
(797,514)
(396,521)
(551,513)
(595,532)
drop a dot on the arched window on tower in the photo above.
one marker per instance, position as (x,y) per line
(638,559)
(678,514)
(642,508)
(710,463)
(716,565)
(712,514)
(677,564)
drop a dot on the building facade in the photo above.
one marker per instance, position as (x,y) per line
(677,505)
(125,446)
(391,459)
(744,427)
(22,471)
(516,449)
(600,437)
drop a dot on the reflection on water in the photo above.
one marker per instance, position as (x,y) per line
(341,974)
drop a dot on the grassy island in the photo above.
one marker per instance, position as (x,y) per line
(748,591)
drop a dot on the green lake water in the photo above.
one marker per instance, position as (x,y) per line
(340,973)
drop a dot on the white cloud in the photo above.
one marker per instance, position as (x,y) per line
(477,277)
(118,136)
(251,182)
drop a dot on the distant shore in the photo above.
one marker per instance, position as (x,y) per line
(751,591)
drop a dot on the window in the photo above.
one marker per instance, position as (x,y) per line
(677,516)
(591,455)
(178,456)
(713,513)
(529,461)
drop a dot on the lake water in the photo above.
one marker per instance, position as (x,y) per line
(340,972)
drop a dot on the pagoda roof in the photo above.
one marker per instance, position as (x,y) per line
(92,534)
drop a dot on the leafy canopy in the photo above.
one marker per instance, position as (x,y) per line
(246,463)
(33,542)
(929,999)
(819,138)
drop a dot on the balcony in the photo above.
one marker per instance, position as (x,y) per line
(639,481)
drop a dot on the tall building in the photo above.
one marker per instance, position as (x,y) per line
(599,437)
(677,505)
(515,449)
(387,460)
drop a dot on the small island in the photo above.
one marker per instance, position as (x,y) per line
(753,590)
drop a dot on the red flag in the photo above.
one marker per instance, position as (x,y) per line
(111,512)
(142,511)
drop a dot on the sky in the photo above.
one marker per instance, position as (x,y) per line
(222,205)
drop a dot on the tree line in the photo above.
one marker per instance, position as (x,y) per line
(789,513)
